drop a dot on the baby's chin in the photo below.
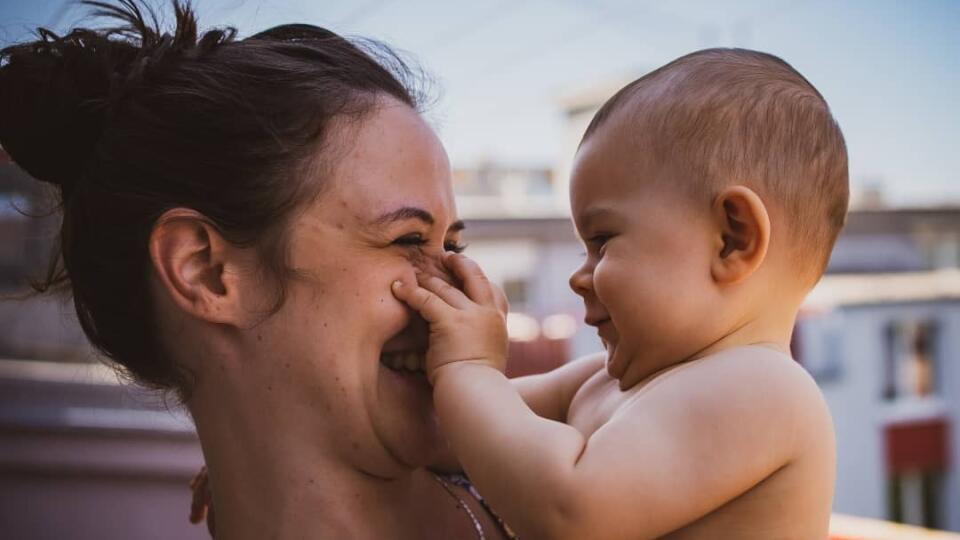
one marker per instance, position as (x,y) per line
(615,365)
(630,368)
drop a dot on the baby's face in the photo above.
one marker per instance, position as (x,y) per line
(646,280)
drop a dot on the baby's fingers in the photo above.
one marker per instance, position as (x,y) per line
(500,299)
(448,293)
(475,282)
(430,306)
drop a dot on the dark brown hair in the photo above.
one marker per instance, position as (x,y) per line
(129,122)
(735,116)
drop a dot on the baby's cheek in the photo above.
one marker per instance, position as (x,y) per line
(603,280)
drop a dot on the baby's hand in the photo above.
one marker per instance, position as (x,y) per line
(465,326)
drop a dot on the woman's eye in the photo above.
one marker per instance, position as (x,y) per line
(415,239)
(455,247)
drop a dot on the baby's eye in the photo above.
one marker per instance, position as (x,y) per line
(597,242)
(455,247)
(414,239)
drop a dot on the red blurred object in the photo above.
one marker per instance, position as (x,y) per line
(917,445)
(4,158)
(537,356)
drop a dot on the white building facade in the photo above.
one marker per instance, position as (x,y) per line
(884,350)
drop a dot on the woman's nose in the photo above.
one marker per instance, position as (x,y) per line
(431,265)
(581,280)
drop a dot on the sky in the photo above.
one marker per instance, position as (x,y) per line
(890,70)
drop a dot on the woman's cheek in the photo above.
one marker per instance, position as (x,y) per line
(394,310)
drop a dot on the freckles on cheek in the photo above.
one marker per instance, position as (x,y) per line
(416,258)
(432,266)
(317,295)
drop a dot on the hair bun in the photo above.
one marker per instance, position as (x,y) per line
(53,100)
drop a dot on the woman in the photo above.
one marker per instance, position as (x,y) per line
(234,212)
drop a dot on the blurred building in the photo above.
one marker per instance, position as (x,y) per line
(884,348)
(87,458)
(881,334)
(491,190)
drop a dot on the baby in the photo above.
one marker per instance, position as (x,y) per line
(708,194)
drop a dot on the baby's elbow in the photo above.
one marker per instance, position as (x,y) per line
(566,518)
(579,516)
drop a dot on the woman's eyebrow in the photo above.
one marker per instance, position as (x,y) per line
(401,214)
(413,212)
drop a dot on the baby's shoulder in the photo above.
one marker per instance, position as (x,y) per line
(752,370)
(755,384)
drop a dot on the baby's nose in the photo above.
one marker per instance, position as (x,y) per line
(581,281)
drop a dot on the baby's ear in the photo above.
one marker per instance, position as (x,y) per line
(743,228)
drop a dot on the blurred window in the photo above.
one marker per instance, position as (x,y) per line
(917,454)
(910,362)
(914,497)
(516,291)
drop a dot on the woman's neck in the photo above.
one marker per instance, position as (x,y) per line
(275,473)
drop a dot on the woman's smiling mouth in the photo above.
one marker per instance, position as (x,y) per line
(410,361)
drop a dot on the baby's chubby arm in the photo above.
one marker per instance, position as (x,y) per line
(549,394)
(690,443)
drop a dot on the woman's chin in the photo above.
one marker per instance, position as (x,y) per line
(407,413)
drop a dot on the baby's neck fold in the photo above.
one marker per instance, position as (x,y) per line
(771,329)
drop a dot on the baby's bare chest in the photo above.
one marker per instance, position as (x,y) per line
(597,401)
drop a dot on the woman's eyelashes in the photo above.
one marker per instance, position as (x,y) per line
(413,240)
(418,240)
(455,247)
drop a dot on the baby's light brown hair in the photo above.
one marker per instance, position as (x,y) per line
(724,117)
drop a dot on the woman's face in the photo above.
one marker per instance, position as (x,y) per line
(387,211)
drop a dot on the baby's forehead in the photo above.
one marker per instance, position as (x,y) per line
(622,148)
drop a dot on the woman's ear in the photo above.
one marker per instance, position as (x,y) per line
(743,225)
(197,267)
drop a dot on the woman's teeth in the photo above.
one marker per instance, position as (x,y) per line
(407,361)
